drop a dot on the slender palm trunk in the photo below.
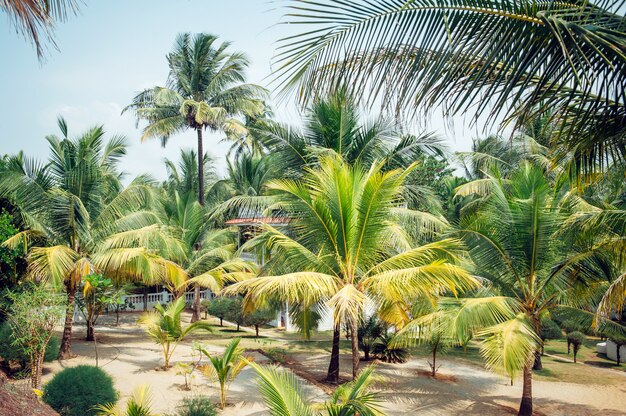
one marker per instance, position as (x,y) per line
(333,367)
(356,356)
(537,365)
(36,367)
(526,405)
(65,351)
(196,289)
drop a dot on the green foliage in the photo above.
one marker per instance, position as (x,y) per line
(550,330)
(576,340)
(138,404)
(388,351)
(9,352)
(75,391)
(225,368)
(196,406)
(258,318)
(218,307)
(234,312)
(369,331)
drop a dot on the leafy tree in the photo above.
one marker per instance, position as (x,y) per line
(165,328)
(224,369)
(455,55)
(283,395)
(549,330)
(138,404)
(258,318)
(32,318)
(79,220)
(219,307)
(576,339)
(234,312)
(344,248)
(97,295)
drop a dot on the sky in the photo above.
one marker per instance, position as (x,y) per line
(113,49)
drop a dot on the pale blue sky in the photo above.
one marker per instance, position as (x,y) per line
(116,48)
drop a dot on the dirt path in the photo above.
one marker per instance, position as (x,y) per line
(465,389)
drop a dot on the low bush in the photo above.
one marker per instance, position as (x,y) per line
(10,352)
(388,352)
(196,406)
(76,391)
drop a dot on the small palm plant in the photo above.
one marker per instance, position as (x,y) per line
(283,395)
(139,404)
(164,327)
(225,369)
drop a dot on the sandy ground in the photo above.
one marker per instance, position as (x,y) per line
(132,359)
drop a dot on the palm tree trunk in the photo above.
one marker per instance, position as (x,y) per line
(65,351)
(526,405)
(356,356)
(196,289)
(333,367)
(537,365)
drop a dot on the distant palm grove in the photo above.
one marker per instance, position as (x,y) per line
(356,214)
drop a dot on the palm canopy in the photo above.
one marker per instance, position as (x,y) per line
(182,175)
(79,219)
(346,246)
(209,259)
(523,56)
(333,122)
(518,239)
(205,89)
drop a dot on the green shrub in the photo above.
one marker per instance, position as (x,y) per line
(196,406)
(76,391)
(387,352)
(11,352)
(576,339)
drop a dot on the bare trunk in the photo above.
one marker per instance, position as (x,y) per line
(434,366)
(65,351)
(90,336)
(333,367)
(256,328)
(221,321)
(196,289)
(537,365)
(355,349)
(526,405)
(366,353)
(196,304)
(36,367)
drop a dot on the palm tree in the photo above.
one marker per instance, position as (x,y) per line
(205,90)
(283,395)
(182,177)
(35,19)
(346,248)
(209,259)
(522,56)
(333,122)
(225,369)
(515,238)
(78,219)
(139,404)
(165,328)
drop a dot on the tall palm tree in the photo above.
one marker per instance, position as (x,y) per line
(205,90)
(346,248)
(182,176)
(522,56)
(516,238)
(79,220)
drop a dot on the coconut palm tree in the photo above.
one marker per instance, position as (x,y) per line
(283,395)
(209,259)
(346,247)
(79,220)
(182,176)
(515,237)
(224,369)
(164,326)
(205,90)
(522,56)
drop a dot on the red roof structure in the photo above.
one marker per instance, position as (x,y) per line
(258,221)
